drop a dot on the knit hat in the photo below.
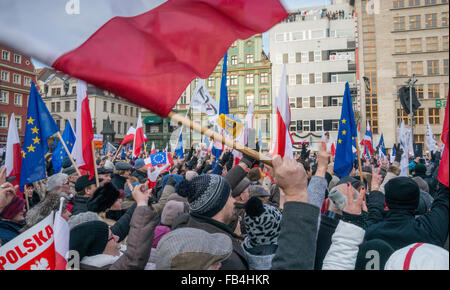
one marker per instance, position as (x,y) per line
(171,211)
(159,232)
(419,256)
(262,223)
(89,238)
(254,174)
(13,208)
(242,185)
(402,193)
(364,257)
(139,163)
(207,194)
(258,190)
(192,249)
(83,217)
(103,198)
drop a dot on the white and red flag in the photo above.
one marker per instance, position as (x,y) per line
(62,239)
(367,141)
(153,150)
(130,136)
(144,51)
(82,150)
(283,143)
(13,158)
(138,138)
(443,174)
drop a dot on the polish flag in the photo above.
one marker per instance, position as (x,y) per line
(82,150)
(144,51)
(138,138)
(283,143)
(129,136)
(62,238)
(13,158)
(443,174)
(153,151)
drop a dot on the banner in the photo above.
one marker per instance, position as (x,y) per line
(203,101)
(32,250)
(233,127)
(98,141)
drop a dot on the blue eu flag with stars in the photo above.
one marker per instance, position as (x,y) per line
(39,127)
(59,154)
(158,158)
(343,162)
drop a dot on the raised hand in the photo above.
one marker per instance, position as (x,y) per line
(353,206)
(290,176)
(377,179)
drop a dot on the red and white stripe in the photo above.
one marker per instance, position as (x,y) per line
(283,143)
(153,150)
(62,238)
(138,138)
(146,51)
(13,158)
(82,150)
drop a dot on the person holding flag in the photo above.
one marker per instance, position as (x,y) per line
(60,153)
(39,127)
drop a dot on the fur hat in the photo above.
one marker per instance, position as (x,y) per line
(402,193)
(103,198)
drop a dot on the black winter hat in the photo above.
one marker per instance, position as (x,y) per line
(103,198)
(89,238)
(402,193)
(419,169)
(365,258)
(207,194)
(83,182)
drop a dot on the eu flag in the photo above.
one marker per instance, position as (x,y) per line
(223,105)
(158,158)
(60,153)
(343,163)
(39,127)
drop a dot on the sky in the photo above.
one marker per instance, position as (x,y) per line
(289,4)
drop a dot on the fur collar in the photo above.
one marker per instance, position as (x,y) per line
(99,260)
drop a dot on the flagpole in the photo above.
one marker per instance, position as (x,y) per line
(117,152)
(230,143)
(68,153)
(359,159)
(95,165)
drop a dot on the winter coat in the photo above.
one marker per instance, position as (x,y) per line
(9,230)
(123,226)
(401,228)
(237,260)
(260,258)
(141,176)
(159,206)
(79,204)
(328,223)
(139,244)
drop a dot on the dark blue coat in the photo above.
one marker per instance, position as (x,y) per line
(9,230)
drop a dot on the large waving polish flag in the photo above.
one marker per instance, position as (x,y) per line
(82,149)
(13,158)
(283,143)
(138,138)
(146,51)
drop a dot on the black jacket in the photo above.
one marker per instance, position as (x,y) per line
(328,224)
(141,176)
(79,204)
(401,228)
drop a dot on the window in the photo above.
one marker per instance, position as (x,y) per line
(249,58)
(305,102)
(399,3)
(113,108)
(305,78)
(312,79)
(399,23)
(292,80)
(75,105)
(66,106)
(446,89)
(210,82)
(419,91)
(74,90)
(105,106)
(27,81)
(417,67)
(317,34)
(18,99)
(413,3)
(234,80)
(279,37)
(433,91)
(234,60)
(119,127)
(432,43)
(249,79)
(249,98)
(264,78)
(299,125)
(416,44)
(58,107)
(419,116)
(433,67)
(312,102)
(401,68)
(228,81)
(400,45)
(414,22)
(319,125)
(444,18)
(5,55)
(434,116)
(402,116)
(305,56)
(16,79)
(306,125)
(319,102)
(420,138)
(131,112)
(233,101)
(285,58)
(56,91)
(430,2)
(18,122)
(125,111)
(318,78)
(334,125)
(4,97)
(53,107)
(292,102)
(431,20)
(445,42)
(264,98)
(299,102)
(119,109)
(17,59)
(317,56)
(298,35)
(3,121)
(5,76)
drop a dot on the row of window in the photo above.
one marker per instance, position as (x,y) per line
(415,44)
(312,34)
(433,90)
(415,3)
(16,79)
(417,67)
(249,97)
(434,116)
(120,129)
(315,102)
(314,125)
(415,21)
(317,78)
(57,91)
(4,121)
(249,59)
(6,56)
(119,109)
(233,79)
(4,98)
(313,56)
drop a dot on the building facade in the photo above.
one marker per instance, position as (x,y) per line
(318,47)
(400,38)
(16,75)
(59,94)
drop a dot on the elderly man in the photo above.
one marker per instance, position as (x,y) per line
(140,171)
(121,175)
(85,189)
(104,174)
(59,181)
(72,176)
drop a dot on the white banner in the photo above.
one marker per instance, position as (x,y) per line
(203,101)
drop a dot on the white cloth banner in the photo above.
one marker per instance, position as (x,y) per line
(203,101)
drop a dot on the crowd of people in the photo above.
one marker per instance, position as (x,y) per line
(203,213)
